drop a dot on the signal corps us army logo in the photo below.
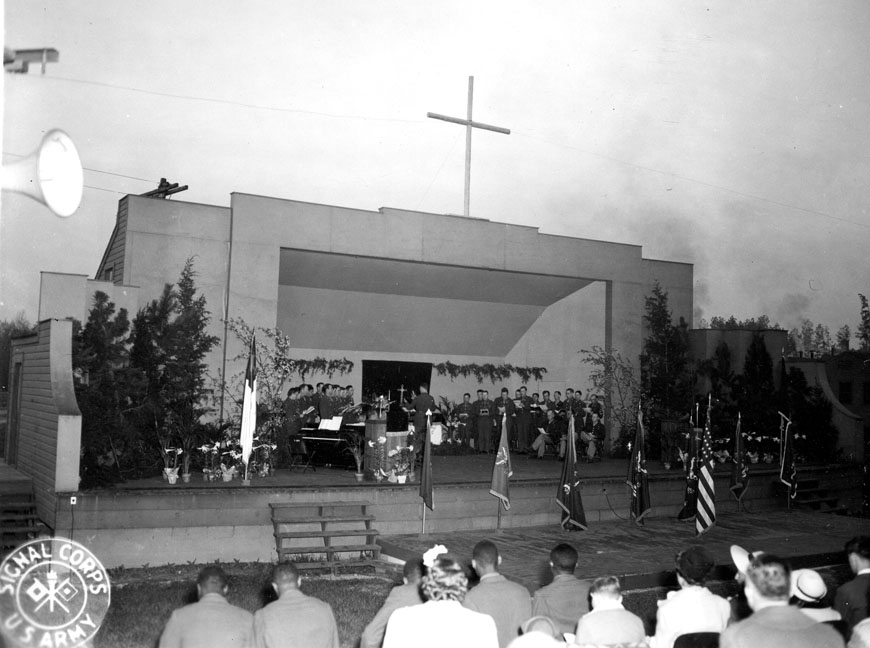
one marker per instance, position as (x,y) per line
(53,592)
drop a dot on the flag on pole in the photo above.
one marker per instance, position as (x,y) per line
(739,469)
(787,470)
(426,474)
(638,478)
(706,515)
(569,497)
(501,471)
(249,405)
(690,463)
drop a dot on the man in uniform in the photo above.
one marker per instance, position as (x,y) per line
(523,419)
(504,407)
(483,422)
(465,416)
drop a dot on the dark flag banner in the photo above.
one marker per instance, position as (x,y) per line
(638,478)
(569,498)
(706,516)
(787,470)
(739,469)
(501,471)
(690,463)
(426,474)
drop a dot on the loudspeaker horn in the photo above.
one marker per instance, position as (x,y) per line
(52,174)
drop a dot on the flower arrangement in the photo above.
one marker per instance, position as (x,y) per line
(403,459)
(378,446)
(170,458)
(210,462)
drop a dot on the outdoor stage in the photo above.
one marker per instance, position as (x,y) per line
(150,521)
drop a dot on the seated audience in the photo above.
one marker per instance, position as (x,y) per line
(851,598)
(294,620)
(211,621)
(508,603)
(692,608)
(608,622)
(773,622)
(442,621)
(808,592)
(566,598)
(404,595)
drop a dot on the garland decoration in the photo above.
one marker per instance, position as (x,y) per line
(495,373)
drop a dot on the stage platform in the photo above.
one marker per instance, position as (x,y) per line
(150,521)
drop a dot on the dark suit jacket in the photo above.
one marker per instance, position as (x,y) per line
(851,600)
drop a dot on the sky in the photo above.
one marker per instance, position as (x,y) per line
(730,135)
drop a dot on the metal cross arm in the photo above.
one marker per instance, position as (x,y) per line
(466,122)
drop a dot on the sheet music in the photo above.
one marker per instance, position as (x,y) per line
(330,424)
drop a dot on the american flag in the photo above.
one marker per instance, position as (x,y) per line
(706,513)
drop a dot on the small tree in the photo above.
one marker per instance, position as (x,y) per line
(106,391)
(9,330)
(616,378)
(863,332)
(844,336)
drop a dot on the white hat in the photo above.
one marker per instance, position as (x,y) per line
(807,585)
(742,558)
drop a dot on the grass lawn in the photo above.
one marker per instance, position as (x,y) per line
(143,599)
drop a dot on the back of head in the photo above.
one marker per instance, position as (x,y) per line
(564,558)
(413,570)
(541,624)
(770,577)
(445,580)
(285,576)
(211,579)
(485,554)
(694,565)
(606,587)
(860,546)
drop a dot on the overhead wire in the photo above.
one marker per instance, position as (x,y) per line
(519,133)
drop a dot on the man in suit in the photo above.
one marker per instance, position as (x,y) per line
(608,622)
(211,621)
(508,603)
(851,598)
(567,597)
(773,622)
(294,620)
(404,595)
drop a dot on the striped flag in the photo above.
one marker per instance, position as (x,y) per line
(569,497)
(787,470)
(501,471)
(249,405)
(739,469)
(637,474)
(426,474)
(706,514)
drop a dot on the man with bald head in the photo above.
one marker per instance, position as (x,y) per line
(294,620)
(211,621)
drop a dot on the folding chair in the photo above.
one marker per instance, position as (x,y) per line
(299,455)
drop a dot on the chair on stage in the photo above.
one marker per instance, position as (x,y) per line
(697,640)
(299,454)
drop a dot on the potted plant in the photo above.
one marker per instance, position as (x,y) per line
(170,461)
(357,449)
(378,468)
(402,461)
